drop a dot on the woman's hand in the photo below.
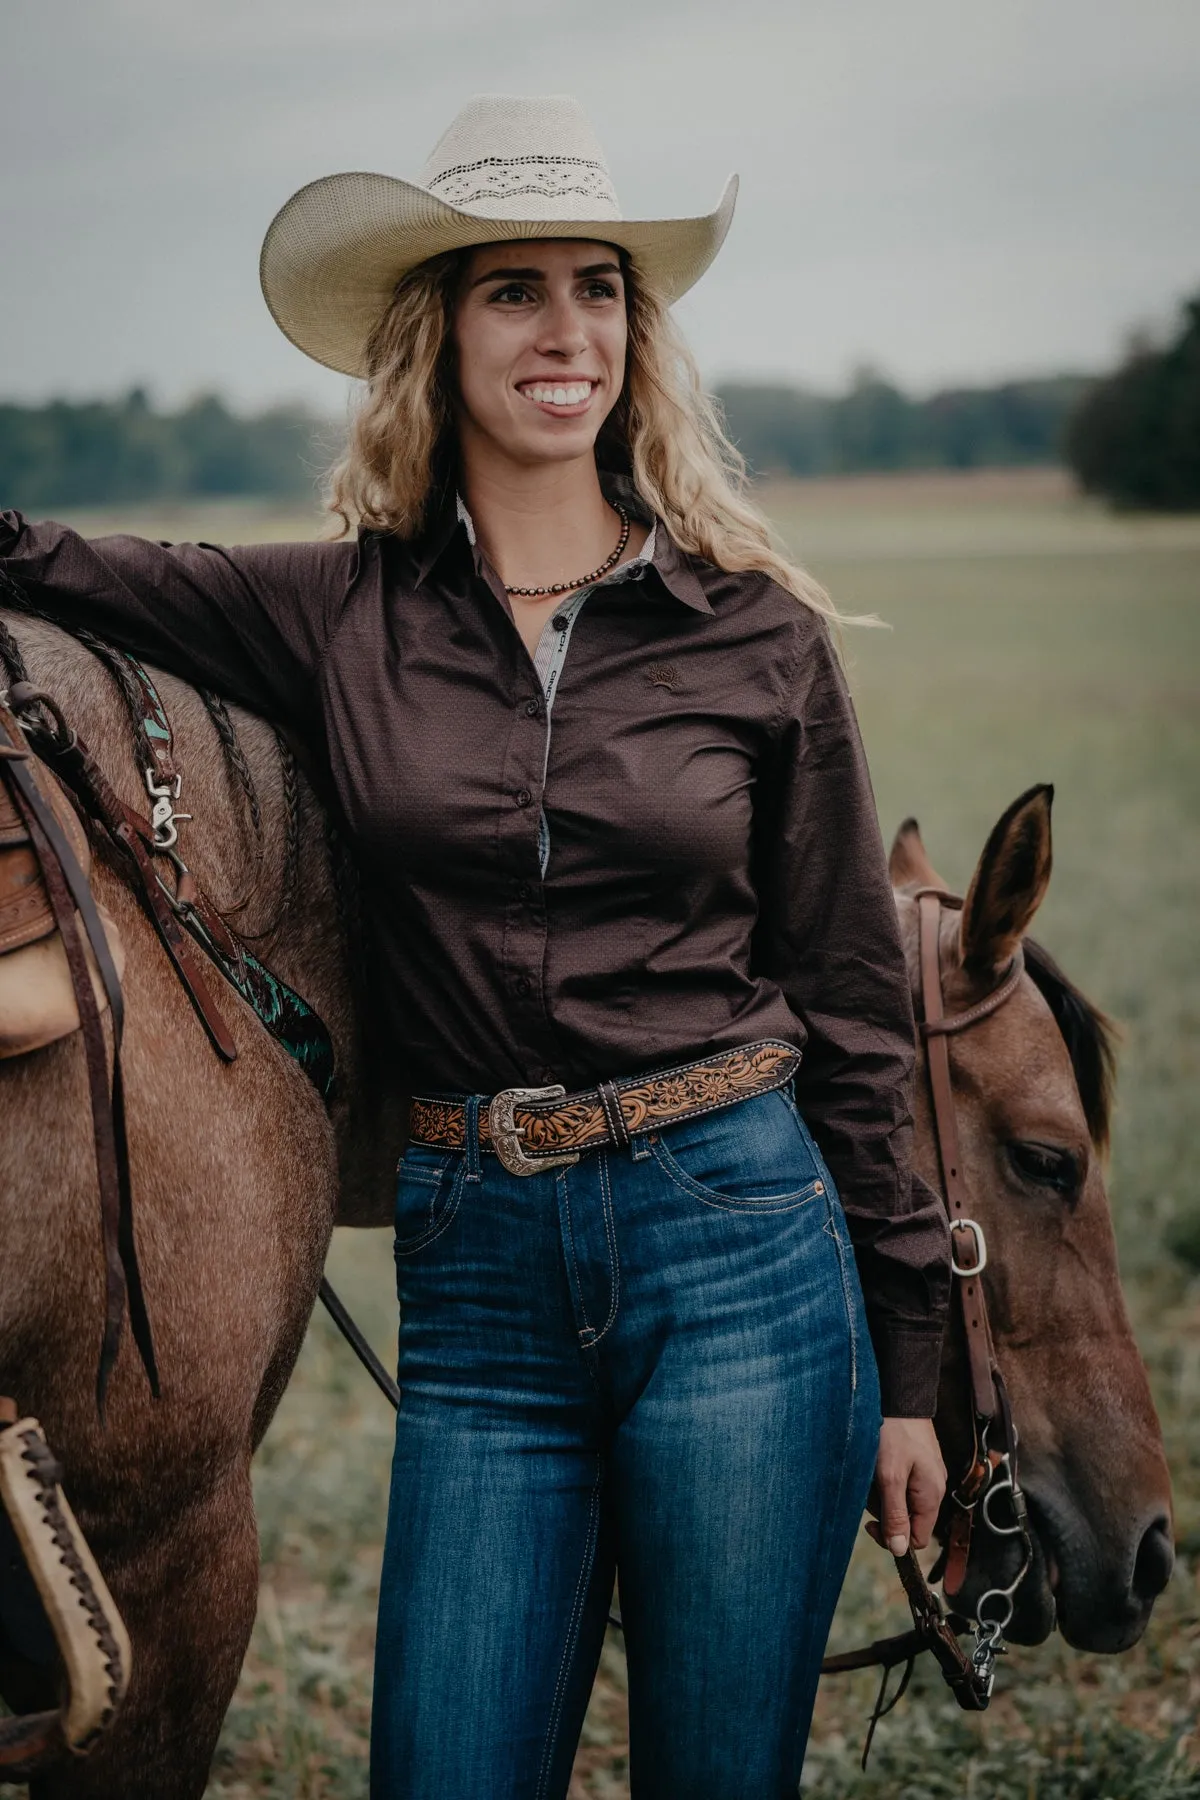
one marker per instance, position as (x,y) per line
(910,1480)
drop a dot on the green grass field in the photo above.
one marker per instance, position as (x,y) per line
(1032,638)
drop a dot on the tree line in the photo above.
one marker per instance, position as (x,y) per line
(875,426)
(1133,436)
(112,452)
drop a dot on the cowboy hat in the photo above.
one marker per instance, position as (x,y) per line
(507,167)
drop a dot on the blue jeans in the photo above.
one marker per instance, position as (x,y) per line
(653,1362)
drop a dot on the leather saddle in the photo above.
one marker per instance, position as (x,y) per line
(37,997)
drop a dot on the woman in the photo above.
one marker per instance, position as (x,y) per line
(637,945)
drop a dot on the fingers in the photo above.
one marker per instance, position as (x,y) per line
(891,1479)
(925,1490)
(910,1481)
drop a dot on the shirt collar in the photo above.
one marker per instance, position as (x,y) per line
(660,551)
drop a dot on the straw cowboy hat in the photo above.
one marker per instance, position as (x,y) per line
(507,167)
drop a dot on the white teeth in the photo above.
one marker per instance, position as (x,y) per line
(560,396)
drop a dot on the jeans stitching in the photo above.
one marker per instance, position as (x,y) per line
(412,1245)
(577,1284)
(585,1572)
(610,1234)
(834,1511)
(726,1203)
(835,1234)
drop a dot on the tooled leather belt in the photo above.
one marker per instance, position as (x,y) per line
(534,1128)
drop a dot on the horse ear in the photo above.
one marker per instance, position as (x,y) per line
(1009,883)
(908,861)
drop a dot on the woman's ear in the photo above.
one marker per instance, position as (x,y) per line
(1009,883)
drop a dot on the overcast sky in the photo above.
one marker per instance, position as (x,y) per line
(952,190)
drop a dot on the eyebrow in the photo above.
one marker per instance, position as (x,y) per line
(600,268)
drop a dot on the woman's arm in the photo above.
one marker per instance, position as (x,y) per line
(828,934)
(251,621)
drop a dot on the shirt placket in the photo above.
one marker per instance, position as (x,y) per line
(526,924)
(548,660)
(523,957)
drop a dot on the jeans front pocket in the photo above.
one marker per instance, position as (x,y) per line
(754,1156)
(428,1191)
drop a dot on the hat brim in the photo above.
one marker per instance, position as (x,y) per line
(334,252)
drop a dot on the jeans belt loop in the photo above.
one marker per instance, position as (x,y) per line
(471,1118)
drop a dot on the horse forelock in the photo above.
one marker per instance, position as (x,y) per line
(1089,1034)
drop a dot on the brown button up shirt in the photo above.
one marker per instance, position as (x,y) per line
(683,855)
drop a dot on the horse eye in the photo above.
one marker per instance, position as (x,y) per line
(1043,1166)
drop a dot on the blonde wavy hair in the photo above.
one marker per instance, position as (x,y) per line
(664,427)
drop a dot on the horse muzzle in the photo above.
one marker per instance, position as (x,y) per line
(1102,1593)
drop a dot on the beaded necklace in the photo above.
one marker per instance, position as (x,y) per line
(565,587)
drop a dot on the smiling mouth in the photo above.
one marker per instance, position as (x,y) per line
(562,399)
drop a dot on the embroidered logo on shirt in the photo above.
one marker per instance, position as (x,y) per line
(663,675)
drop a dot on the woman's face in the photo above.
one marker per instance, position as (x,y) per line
(540,333)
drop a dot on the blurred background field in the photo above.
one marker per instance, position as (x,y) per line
(1032,636)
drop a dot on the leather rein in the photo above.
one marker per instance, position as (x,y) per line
(991,1473)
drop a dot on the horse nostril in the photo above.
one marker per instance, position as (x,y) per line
(1155,1560)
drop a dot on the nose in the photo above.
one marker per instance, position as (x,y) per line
(562,330)
(1154,1562)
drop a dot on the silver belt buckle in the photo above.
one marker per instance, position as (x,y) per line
(506,1133)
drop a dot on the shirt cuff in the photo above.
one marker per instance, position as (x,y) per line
(909,1360)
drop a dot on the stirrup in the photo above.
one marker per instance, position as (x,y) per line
(88,1630)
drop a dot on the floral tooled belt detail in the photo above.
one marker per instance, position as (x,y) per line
(533,1128)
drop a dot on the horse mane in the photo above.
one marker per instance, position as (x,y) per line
(1090,1036)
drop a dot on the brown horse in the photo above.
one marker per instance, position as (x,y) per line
(236,1172)
(1032,1087)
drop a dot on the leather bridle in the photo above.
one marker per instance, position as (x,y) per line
(993,1466)
(991,1472)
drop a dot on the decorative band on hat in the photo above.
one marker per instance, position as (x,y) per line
(498,177)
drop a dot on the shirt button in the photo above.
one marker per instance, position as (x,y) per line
(523,984)
(522,796)
(533,708)
(560,622)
